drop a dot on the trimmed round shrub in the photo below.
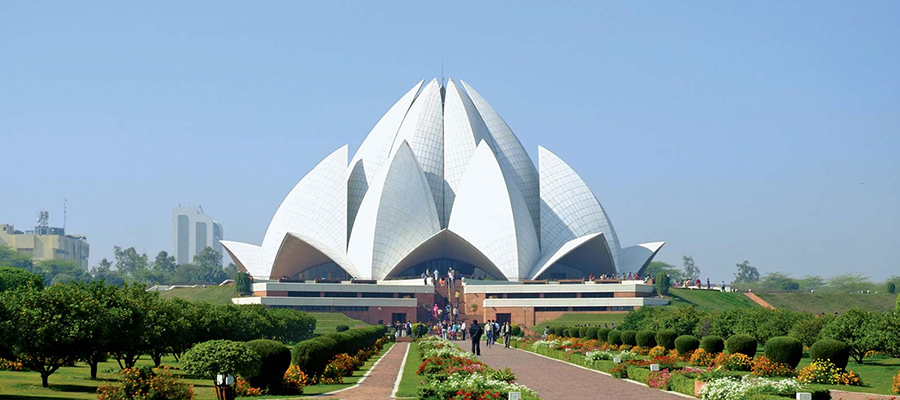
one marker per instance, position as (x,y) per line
(712,344)
(614,337)
(275,358)
(559,330)
(741,344)
(341,328)
(603,334)
(628,337)
(835,351)
(516,330)
(646,339)
(784,350)
(666,338)
(567,332)
(311,356)
(686,344)
(591,333)
(214,357)
(582,332)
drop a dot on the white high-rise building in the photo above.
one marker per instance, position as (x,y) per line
(193,231)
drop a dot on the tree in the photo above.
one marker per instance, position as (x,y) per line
(104,271)
(231,270)
(220,357)
(856,328)
(809,331)
(662,283)
(851,283)
(9,257)
(690,269)
(897,304)
(812,282)
(12,278)
(50,327)
(60,271)
(129,262)
(133,321)
(887,333)
(209,258)
(243,284)
(746,273)
(779,281)
(656,267)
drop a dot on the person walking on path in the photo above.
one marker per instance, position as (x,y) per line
(489,333)
(506,331)
(475,332)
(462,328)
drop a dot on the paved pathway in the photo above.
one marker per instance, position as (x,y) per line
(558,380)
(758,300)
(380,382)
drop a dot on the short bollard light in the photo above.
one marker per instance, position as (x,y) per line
(654,367)
(804,396)
(515,396)
(617,360)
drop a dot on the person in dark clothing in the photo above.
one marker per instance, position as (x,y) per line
(475,332)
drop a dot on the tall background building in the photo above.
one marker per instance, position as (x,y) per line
(194,231)
(46,242)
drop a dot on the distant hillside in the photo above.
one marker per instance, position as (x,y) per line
(211,294)
(830,302)
(709,300)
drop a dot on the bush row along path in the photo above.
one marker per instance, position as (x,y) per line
(559,380)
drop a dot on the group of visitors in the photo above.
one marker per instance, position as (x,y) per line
(436,279)
(451,331)
(446,313)
(491,331)
(626,276)
(402,329)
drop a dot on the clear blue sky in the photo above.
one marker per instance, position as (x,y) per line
(763,131)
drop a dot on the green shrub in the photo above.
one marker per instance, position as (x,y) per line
(628,337)
(686,344)
(639,374)
(784,350)
(582,332)
(741,344)
(681,384)
(662,283)
(897,305)
(835,351)
(243,284)
(614,338)
(341,328)
(591,333)
(311,356)
(516,330)
(891,287)
(809,331)
(712,344)
(567,332)
(214,357)
(275,358)
(666,338)
(646,339)
(603,334)
(559,331)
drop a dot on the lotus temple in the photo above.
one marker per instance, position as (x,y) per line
(442,182)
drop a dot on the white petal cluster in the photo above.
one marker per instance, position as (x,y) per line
(440,176)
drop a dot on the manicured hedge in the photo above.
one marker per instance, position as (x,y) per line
(628,337)
(341,328)
(686,344)
(275,359)
(567,332)
(743,344)
(603,334)
(639,374)
(829,349)
(646,339)
(591,333)
(712,344)
(784,350)
(614,338)
(582,332)
(666,338)
(313,355)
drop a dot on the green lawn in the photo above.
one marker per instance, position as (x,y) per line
(830,302)
(409,381)
(572,319)
(327,322)
(212,294)
(710,300)
(75,383)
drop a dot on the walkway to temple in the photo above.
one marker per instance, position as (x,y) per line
(379,384)
(557,380)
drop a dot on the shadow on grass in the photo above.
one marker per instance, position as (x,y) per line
(25,397)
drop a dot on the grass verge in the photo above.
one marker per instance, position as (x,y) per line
(409,381)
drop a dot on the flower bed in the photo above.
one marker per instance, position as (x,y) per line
(450,373)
